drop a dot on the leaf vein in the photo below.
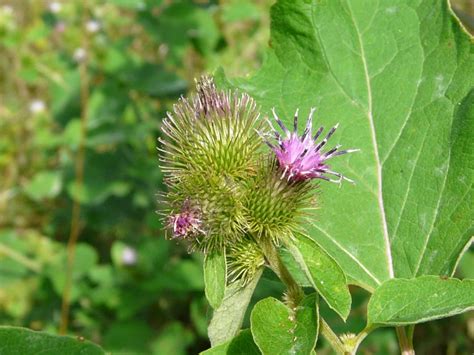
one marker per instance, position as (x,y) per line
(357,261)
(427,239)
(402,209)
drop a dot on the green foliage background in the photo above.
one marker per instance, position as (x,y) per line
(140,59)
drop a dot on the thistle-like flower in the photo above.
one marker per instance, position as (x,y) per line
(300,157)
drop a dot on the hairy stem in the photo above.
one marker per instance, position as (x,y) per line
(406,346)
(353,345)
(331,337)
(296,294)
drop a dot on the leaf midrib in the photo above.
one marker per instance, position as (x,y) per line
(374,143)
(353,257)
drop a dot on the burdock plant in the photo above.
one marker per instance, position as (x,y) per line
(234,199)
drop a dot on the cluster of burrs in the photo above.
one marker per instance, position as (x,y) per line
(226,192)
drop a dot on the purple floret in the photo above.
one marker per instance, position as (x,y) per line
(300,157)
(186,223)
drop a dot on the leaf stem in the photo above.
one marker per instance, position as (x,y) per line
(406,346)
(410,333)
(331,337)
(296,294)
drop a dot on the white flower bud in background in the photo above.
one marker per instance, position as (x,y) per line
(163,50)
(37,106)
(7,19)
(93,26)
(7,10)
(55,7)
(129,256)
(79,54)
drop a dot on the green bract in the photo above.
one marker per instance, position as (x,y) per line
(275,207)
(244,260)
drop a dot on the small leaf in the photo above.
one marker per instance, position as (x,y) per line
(15,340)
(324,274)
(129,4)
(45,184)
(227,319)
(95,192)
(242,344)
(279,330)
(294,268)
(72,133)
(215,278)
(409,301)
(84,261)
(240,11)
(130,336)
(166,342)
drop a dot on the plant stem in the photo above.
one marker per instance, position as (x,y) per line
(21,259)
(410,333)
(406,347)
(331,337)
(296,294)
(294,290)
(358,339)
(79,177)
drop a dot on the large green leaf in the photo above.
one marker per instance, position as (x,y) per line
(278,329)
(408,301)
(215,278)
(227,319)
(324,274)
(396,75)
(14,340)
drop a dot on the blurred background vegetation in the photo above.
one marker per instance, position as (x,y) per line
(83,88)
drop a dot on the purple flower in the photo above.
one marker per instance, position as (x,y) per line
(300,157)
(186,223)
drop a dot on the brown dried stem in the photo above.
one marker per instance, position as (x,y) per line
(79,178)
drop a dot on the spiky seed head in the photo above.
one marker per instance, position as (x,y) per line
(220,206)
(301,157)
(275,208)
(244,259)
(213,132)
